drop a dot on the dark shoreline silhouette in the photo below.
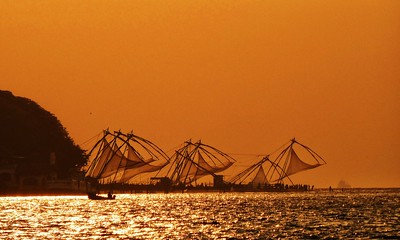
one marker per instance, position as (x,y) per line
(35,148)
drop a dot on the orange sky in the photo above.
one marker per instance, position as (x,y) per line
(244,76)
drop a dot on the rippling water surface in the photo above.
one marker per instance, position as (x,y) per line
(353,214)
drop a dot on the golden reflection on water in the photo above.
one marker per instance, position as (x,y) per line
(202,216)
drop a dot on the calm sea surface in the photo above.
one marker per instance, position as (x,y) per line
(352,214)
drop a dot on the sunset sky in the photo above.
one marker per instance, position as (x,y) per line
(244,76)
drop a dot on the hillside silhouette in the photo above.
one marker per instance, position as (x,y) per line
(35,138)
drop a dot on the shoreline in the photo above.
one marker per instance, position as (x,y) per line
(41,193)
(77,193)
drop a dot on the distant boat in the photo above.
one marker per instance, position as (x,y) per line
(117,157)
(94,196)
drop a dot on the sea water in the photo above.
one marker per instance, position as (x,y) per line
(347,214)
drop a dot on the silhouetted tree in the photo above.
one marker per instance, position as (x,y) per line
(29,131)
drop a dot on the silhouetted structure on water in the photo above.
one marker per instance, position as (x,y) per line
(119,158)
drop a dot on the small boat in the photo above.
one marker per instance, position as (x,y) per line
(94,196)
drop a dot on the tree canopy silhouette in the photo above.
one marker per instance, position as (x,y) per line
(29,132)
